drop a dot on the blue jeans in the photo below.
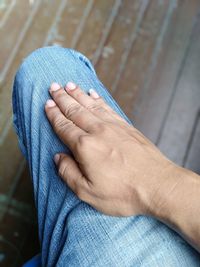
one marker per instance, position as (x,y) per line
(71,232)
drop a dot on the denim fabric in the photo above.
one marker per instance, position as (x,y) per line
(71,232)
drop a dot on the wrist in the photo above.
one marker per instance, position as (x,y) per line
(174,196)
(177,204)
(152,192)
(166,191)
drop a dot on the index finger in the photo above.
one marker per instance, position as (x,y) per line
(66,130)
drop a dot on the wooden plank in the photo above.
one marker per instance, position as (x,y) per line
(6,8)
(10,159)
(33,39)
(17,25)
(152,103)
(117,41)
(185,104)
(69,22)
(28,251)
(17,199)
(192,156)
(21,196)
(136,67)
(13,235)
(82,23)
(96,25)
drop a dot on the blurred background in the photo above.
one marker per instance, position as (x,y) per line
(146,52)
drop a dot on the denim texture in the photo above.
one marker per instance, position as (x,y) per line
(71,232)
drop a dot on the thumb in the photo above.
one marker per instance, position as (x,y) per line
(70,172)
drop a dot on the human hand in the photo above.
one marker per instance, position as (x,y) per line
(115,168)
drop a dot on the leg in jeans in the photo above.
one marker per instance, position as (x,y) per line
(71,232)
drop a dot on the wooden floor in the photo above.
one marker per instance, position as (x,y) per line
(147,53)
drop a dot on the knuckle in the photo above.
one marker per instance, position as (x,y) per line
(78,191)
(79,93)
(100,127)
(58,123)
(81,194)
(62,169)
(96,108)
(59,95)
(61,125)
(71,110)
(83,142)
(83,139)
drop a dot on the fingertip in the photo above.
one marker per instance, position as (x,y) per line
(71,86)
(93,93)
(56,158)
(54,87)
(50,103)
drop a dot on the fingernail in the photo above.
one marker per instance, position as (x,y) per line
(93,93)
(55,86)
(56,158)
(50,103)
(71,85)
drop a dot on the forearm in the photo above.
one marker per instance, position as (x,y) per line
(178,205)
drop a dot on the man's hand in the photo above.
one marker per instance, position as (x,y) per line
(115,168)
